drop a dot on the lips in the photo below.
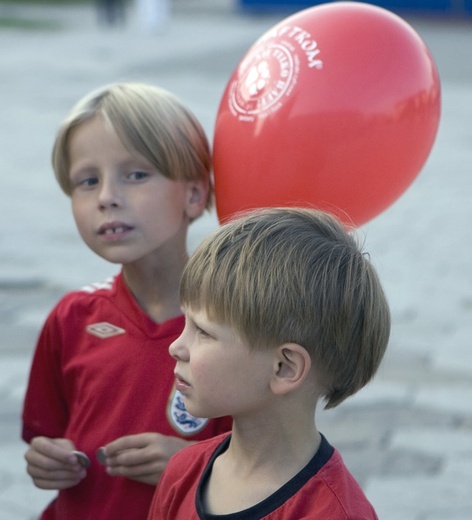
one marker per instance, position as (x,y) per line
(180,383)
(113,228)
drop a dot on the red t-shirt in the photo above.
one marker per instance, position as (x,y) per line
(102,370)
(323,490)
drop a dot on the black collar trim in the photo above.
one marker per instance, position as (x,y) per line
(275,500)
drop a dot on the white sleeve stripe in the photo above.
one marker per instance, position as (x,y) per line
(107,285)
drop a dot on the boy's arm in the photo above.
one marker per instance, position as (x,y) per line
(50,461)
(45,411)
(142,457)
(52,465)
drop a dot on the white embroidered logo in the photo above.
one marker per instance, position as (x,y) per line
(180,419)
(104,330)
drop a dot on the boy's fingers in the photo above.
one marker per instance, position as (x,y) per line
(138,441)
(55,475)
(48,464)
(59,449)
(51,484)
(56,480)
(56,454)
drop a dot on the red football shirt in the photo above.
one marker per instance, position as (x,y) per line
(323,490)
(102,370)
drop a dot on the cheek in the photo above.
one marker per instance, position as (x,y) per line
(79,214)
(82,217)
(161,215)
(202,366)
(210,373)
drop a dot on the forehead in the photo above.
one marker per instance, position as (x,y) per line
(93,135)
(96,124)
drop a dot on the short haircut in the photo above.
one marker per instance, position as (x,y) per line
(290,275)
(150,122)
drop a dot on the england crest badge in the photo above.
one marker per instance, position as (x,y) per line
(180,419)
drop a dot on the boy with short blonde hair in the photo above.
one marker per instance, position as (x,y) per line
(282,311)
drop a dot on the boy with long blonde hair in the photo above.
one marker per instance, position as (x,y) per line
(136,165)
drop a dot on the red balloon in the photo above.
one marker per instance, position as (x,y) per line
(335,107)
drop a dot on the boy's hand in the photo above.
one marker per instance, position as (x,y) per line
(52,465)
(141,457)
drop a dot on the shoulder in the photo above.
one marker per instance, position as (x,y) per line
(199,454)
(86,301)
(98,288)
(345,490)
(87,294)
(176,491)
(201,449)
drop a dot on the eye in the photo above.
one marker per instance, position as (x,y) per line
(201,332)
(91,181)
(138,175)
(84,182)
(196,328)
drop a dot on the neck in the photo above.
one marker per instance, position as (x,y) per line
(155,286)
(259,460)
(284,448)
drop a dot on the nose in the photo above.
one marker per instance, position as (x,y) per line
(109,195)
(178,350)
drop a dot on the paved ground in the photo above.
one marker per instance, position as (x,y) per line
(408,435)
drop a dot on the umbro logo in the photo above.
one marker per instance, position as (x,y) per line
(104,330)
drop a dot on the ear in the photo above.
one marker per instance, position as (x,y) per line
(197,195)
(291,368)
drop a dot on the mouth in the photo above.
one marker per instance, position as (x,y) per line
(180,383)
(113,228)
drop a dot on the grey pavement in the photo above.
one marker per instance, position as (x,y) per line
(407,437)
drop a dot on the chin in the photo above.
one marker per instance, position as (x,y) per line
(195,410)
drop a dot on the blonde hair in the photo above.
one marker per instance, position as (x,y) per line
(295,275)
(150,122)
